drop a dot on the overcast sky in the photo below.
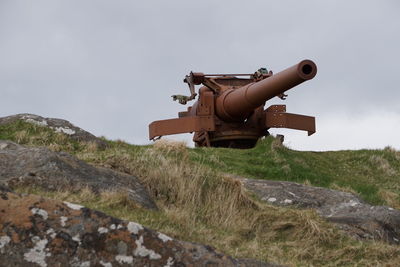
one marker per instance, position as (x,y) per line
(110,67)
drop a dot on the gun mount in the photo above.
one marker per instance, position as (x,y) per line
(230,110)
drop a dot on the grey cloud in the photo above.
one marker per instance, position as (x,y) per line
(111,66)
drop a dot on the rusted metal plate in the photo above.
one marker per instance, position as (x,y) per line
(291,121)
(181,125)
(277,108)
(206,103)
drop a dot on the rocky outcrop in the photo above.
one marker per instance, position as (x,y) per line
(57,125)
(348,211)
(41,167)
(39,232)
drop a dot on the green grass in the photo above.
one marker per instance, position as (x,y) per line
(197,204)
(30,134)
(367,172)
(373,174)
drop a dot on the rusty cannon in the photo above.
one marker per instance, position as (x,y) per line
(230,110)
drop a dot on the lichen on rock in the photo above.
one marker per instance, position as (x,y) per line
(90,238)
(57,125)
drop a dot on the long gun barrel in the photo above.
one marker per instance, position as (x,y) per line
(237,104)
(229,111)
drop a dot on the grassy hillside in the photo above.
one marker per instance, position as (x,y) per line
(373,174)
(198,204)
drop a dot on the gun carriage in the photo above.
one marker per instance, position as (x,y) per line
(230,110)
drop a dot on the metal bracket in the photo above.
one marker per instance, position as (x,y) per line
(276,117)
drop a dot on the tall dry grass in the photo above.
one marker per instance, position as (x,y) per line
(200,205)
(382,164)
(198,191)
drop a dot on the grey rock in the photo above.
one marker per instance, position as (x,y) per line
(31,233)
(26,166)
(58,125)
(347,210)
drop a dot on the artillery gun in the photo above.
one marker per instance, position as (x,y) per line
(230,110)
